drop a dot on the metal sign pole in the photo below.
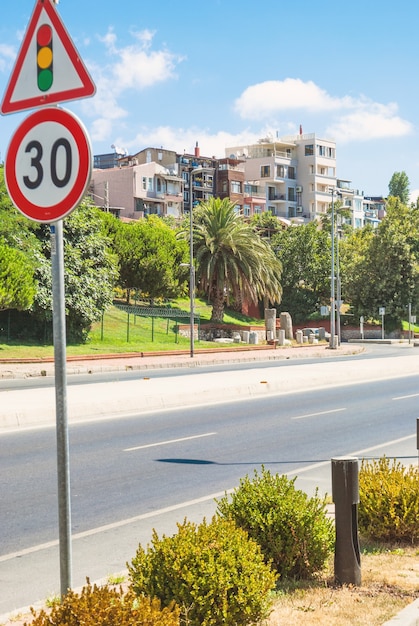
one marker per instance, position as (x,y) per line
(63,465)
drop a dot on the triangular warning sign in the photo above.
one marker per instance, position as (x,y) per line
(48,68)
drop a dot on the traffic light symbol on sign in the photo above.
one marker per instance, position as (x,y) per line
(44,57)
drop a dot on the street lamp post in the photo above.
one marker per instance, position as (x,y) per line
(191,268)
(338,284)
(332,341)
(192,172)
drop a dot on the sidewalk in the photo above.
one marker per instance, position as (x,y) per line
(21,368)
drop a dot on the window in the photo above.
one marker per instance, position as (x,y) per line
(291,172)
(236,186)
(309,150)
(150,184)
(265,171)
(144,183)
(257,209)
(321,150)
(159,185)
(291,194)
(225,186)
(280,171)
(251,189)
(246,210)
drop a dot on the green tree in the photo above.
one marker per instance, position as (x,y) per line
(90,273)
(386,272)
(16,230)
(342,218)
(353,253)
(266,224)
(399,187)
(304,252)
(232,259)
(90,267)
(151,258)
(17,284)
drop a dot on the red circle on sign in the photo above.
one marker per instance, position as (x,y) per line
(72,196)
(44,35)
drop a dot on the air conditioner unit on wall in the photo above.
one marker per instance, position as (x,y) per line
(299,209)
(298,189)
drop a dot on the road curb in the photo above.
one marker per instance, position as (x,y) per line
(409,616)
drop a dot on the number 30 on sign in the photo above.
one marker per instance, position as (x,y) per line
(48,164)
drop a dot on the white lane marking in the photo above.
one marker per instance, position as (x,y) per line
(307,468)
(412,395)
(181,505)
(300,417)
(165,443)
(114,525)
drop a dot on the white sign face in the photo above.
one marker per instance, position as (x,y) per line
(48,165)
(381,310)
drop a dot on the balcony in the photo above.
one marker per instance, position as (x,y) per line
(278,197)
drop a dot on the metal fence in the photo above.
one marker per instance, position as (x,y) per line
(174,315)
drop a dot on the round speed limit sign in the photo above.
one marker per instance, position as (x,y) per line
(48,164)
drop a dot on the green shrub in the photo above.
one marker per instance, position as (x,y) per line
(213,571)
(389,501)
(292,529)
(104,606)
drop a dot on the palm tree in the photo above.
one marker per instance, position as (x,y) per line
(232,258)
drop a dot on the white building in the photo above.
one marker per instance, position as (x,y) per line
(295,173)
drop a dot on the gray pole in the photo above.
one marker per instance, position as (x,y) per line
(410,320)
(63,466)
(332,281)
(191,265)
(338,285)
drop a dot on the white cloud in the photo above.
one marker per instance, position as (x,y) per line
(364,125)
(354,119)
(414,195)
(184,140)
(264,99)
(7,54)
(137,66)
(104,107)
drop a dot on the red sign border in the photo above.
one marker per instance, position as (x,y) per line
(73,198)
(88,88)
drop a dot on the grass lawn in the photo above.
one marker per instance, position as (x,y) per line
(114,335)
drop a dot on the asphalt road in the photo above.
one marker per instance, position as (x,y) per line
(151,469)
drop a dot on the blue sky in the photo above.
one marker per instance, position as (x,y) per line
(228,72)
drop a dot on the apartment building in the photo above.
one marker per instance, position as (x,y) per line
(133,191)
(294,174)
(199,176)
(292,177)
